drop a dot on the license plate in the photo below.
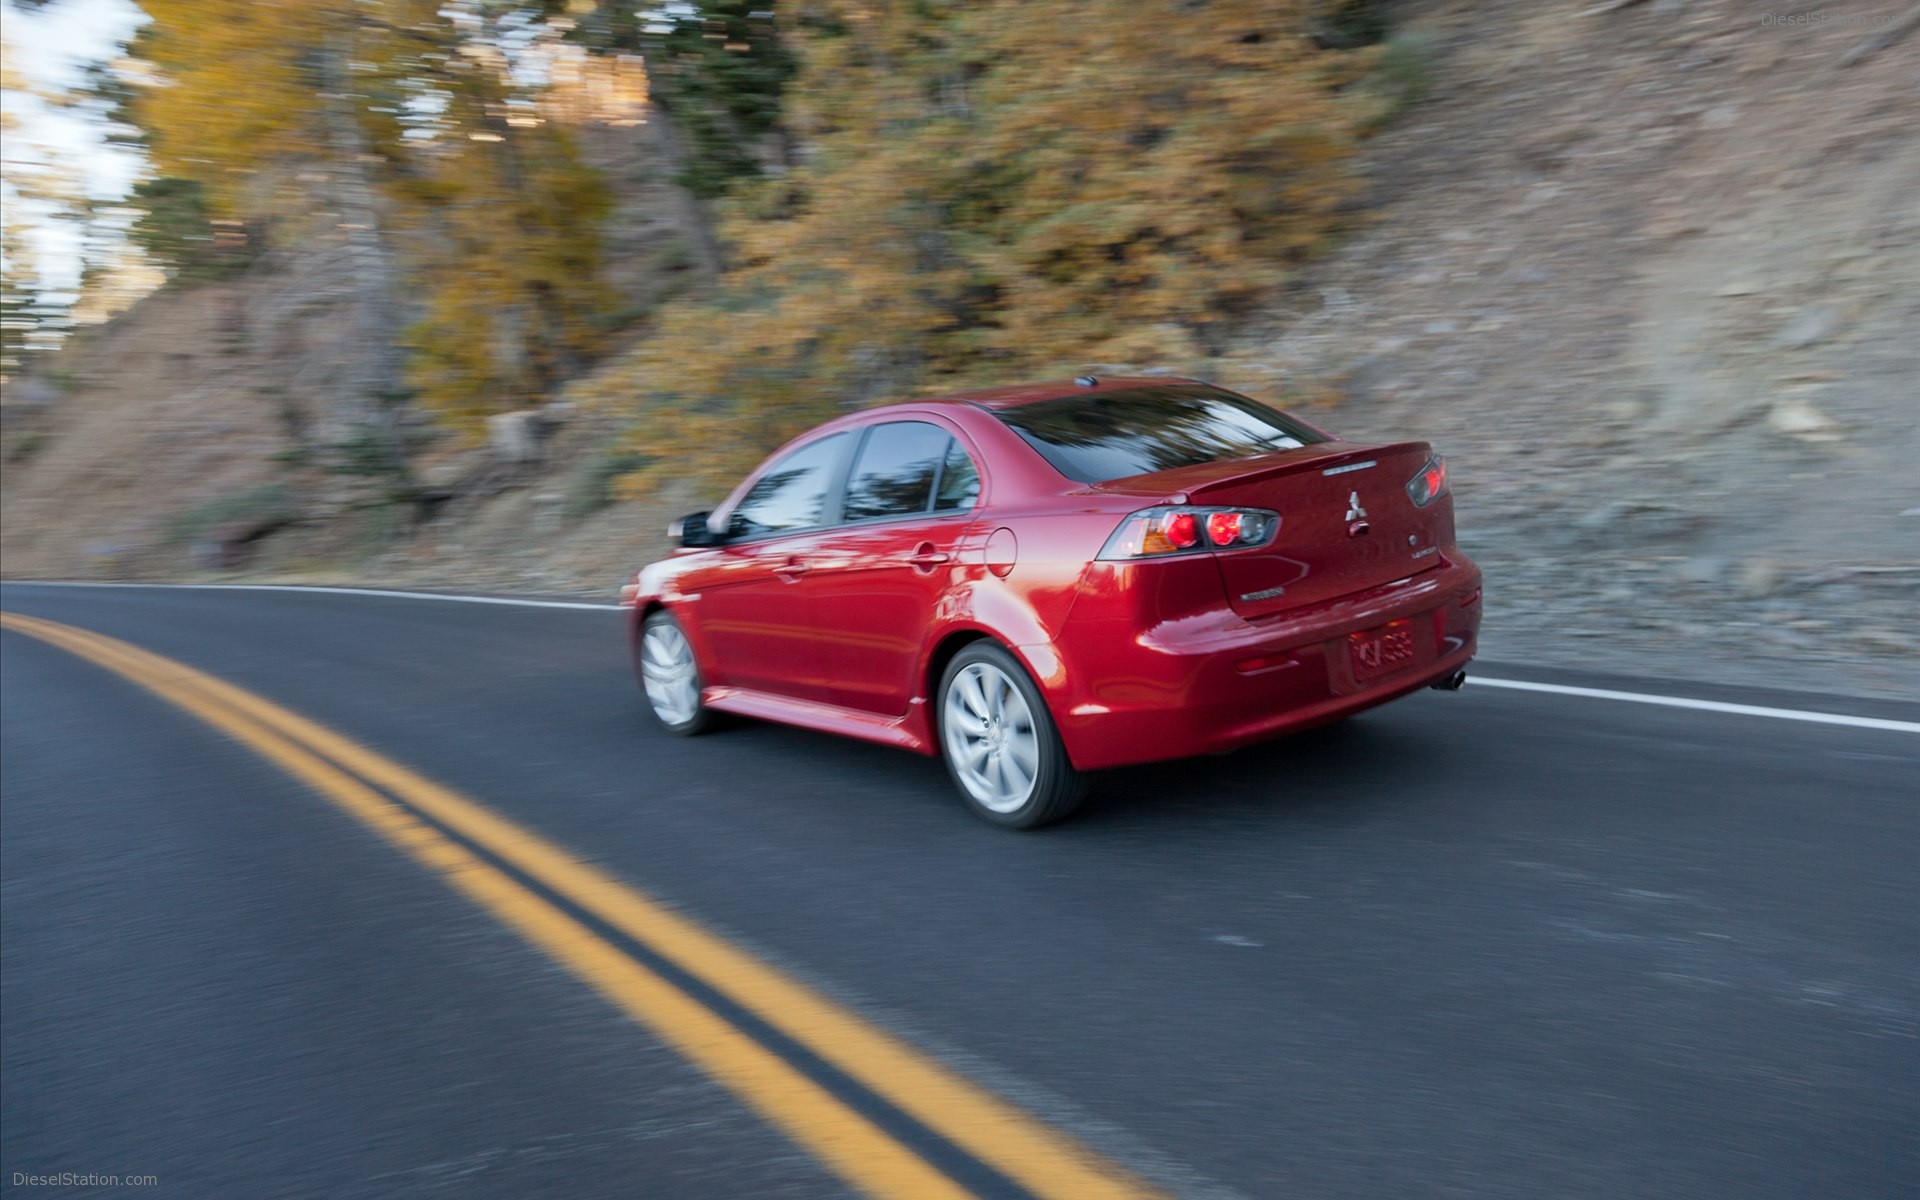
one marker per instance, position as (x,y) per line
(1382,651)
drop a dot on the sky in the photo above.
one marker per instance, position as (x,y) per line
(50,48)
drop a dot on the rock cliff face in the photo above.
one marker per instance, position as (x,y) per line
(1650,277)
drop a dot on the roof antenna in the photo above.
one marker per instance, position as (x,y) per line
(1085,380)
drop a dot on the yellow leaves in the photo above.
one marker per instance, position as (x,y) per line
(284,107)
(997,189)
(516,307)
(232,93)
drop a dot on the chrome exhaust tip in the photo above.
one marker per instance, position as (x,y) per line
(1451,683)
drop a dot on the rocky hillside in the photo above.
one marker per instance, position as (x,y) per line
(203,431)
(1650,276)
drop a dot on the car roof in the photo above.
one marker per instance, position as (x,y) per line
(1029,393)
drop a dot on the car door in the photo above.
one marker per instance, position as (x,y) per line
(755,612)
(909,498)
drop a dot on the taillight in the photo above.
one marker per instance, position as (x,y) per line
(1182,531)
(1430,484)
(1157,531)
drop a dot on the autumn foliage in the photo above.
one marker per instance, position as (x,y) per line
(995,189)
(918,194)
(401,127)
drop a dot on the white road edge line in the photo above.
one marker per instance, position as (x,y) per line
(1717,706)
(1557,689)
(340,591)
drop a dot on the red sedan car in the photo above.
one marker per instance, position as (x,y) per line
(1040,581)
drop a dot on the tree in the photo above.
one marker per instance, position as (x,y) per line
(720,69)
(177,232)
(29,320)
(408,128)
(717,67)
(40,187)
(994,188)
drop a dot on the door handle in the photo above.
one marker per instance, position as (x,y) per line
(791,570)
(925,557)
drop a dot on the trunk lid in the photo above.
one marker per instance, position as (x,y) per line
(1346,520)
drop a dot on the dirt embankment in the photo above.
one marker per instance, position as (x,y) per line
(1651,278)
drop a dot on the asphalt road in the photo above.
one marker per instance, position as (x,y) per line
(1487,944)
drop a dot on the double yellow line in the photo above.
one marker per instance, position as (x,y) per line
(1041,1160)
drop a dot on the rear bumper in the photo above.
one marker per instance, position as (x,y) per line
(1216,682)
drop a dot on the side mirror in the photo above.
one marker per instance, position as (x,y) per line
(691,530)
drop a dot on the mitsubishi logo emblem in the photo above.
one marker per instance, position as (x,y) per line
(1356,517)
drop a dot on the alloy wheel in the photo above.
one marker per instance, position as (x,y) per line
(991,740)
(667,670)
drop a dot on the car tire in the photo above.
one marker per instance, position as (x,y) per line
(1000,743)
(670,678)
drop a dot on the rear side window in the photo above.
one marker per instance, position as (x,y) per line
(1097,436)
(906,468)
(959,482)
(895,471)
(793,492)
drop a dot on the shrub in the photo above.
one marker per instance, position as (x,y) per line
(260,507)
(1404,75)
(592,486)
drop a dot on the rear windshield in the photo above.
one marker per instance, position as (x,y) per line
(1097,436)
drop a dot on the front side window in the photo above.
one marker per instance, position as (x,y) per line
(793,492)
(1098,436)
(894,473)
